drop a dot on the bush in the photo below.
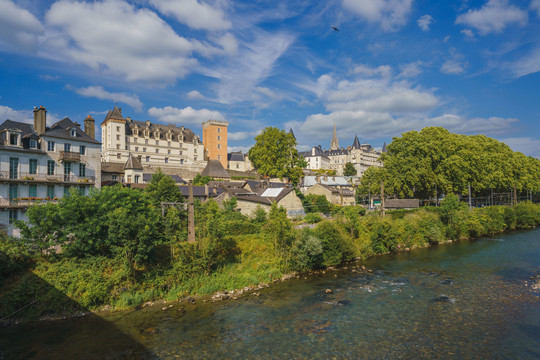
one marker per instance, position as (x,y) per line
(337,245)
(527,215)
(307,252)
(313,218)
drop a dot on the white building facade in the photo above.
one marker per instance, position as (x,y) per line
(154,145)
(40,164)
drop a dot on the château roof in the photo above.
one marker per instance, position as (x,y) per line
(235,156)
(133,163)
(356,143)
(62,129)
(216,170)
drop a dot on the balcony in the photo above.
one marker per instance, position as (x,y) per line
(22,203)
(69,156)
(6,176)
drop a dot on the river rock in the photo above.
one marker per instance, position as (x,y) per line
(444,299)
(329,291)
(447,282)
(190,300)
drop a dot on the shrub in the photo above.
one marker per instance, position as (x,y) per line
(527,215)
(313,218)
(337,245)
(307,252)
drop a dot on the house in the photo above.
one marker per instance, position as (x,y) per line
(40,163)
(337,195)
(238,161)
(248,200)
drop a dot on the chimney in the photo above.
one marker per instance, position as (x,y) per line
(206,193)
(318,178)
(40,120)
(90,127)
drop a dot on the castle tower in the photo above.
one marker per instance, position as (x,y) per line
(335,143)
(215,140)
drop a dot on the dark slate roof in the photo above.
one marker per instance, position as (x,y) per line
(384,148)
(133,163)
(110,167)
(264,184)
(115,113)
(215,169)
(356,143)
(401,203)
(235,156)
(246,195)
(291,132)
(227,184)
(199,191)
(62,130)
(26,129)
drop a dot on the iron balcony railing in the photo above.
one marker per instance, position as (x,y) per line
(7,175)
(70,156)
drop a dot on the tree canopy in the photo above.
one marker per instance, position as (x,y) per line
(349,170)
(274,154)
(435,160)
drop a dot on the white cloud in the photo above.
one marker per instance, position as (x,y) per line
(468,33)
(243,149)
(384,71)
(390,14)
(493,17)
(424,22)
(194,13)
(7,113)
(535,5)
(240,135)
(527,146)
(453,67)
(187,115)
(116,37)
(195,95)
(19,29)
(527,64)
(410,70)
(102,94)
(241,74)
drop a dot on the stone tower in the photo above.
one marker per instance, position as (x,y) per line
(335,143)
(215,140)
(90,126)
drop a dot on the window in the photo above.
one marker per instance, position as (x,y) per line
(195,150)
(237,166)
(50,191)
(219,130)
(168,151)
(134,140)
(219,157)
(195,158)
(50,145)
(114,177)
(13,191)
(180,152)
(148,159)
(137,177)
(33,144)
(181,161)
(118,156)
(50,167)
(166,160)
(118,129)
(118,146)
(118,137)
(219,137)
(66,190)
(67,147)
(73,132)
(32,169)
(146,141)
(13,139)
(67,171)
(32,190)
(169,143)
(127,147)
(143,149)
(82,170)
(13,168)
(136,148)
(157,142)
(82,190)
(157,151)
(82,150)
(129,178)
(219,146)
(13,216)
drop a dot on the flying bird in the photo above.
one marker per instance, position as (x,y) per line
(335,28)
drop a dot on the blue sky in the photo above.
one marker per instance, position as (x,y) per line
(393,66)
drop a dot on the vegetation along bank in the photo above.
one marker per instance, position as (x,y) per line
(119,249)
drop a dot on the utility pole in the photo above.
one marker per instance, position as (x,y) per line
(369,196)
(191,215)
(515,195)
(470,200)
(382,198)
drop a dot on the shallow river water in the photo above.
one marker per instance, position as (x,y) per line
(467,300)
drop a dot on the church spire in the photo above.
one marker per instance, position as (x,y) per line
(335,143)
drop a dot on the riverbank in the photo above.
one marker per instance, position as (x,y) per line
(64,286)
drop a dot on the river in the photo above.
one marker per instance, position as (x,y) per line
(467,300)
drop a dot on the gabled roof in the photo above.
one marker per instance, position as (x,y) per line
(110,167)
(62,130)
(115,113)
(235,156)
(216,170)
(133,163)
(26,129)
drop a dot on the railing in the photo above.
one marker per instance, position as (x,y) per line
(6,175)
(70,156)
(25,202)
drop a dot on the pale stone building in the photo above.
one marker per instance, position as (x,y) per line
(238,161)
(39,164)
(154,145)
(337,195)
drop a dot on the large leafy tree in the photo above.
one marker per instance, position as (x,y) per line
(349,170)
(274,154)
(162,188)
(436,161)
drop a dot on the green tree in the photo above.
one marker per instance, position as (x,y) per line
(274,154)
(349,170)
(279,228)
(162,188)
(201,180)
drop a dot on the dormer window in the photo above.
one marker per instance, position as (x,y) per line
(14,139)
(33,144)
(136,132)
(73,132)
(146,132)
